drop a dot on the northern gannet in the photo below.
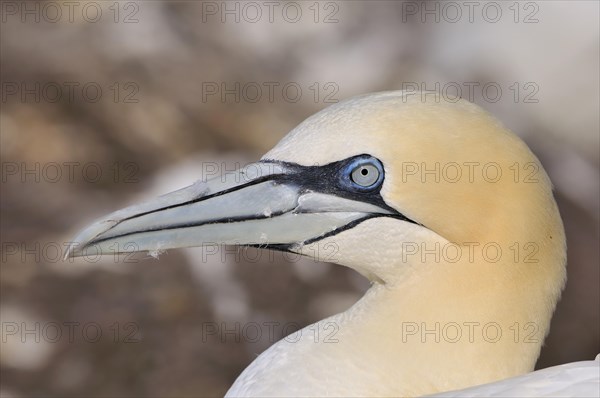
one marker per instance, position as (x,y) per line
(448,214)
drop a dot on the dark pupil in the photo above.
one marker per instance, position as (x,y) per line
(364,172)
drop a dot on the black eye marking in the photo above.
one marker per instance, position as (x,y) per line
(336,179)
(341,179)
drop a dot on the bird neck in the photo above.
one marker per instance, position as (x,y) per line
(432,335)
(442,324)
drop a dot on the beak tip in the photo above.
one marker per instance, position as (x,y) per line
(81,242)
(75,249)
(72,251)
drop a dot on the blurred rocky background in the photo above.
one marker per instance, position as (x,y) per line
(105,103)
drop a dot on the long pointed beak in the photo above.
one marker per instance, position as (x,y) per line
(264,203)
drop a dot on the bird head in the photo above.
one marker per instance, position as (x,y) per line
(379,173)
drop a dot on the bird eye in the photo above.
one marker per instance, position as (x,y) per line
(363,173)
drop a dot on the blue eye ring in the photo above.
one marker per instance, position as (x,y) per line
(362,174)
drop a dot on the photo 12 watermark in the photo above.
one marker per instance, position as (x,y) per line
(471,332)
(70,332)
(69,172)
(470,172)
(452,12)
(70,92)
(482,92)
(471,252)
(270,331)
(70,12)
(292,12)
(269,92)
